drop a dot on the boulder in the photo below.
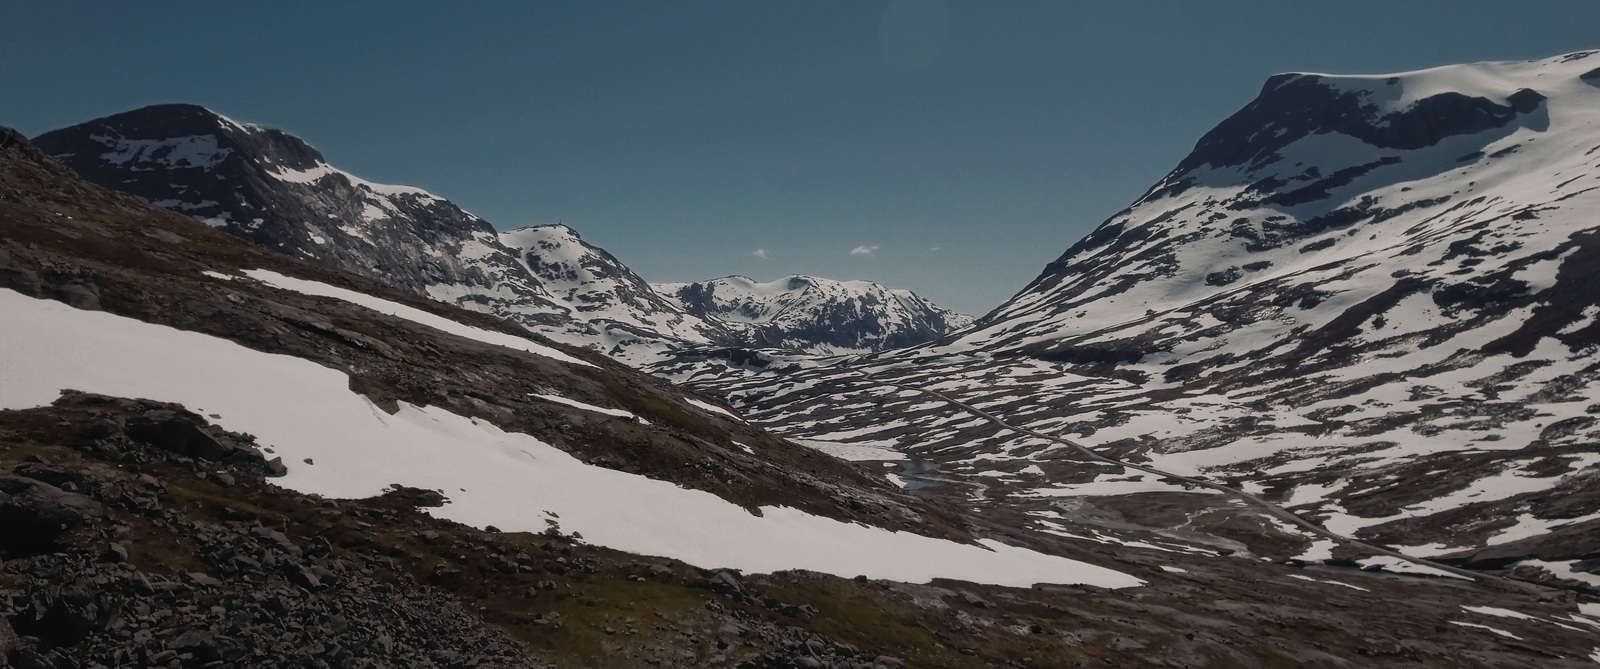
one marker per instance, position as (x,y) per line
(167,430)
(34,513)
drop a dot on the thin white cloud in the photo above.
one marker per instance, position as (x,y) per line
(863,250)
(935,249)
(759,253)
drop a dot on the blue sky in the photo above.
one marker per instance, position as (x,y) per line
(953,148)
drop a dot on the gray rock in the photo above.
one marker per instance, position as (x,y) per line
(203,580)
(725,582)
(116,553)
(303,577)
(35,513)
(52,475)
(168,430)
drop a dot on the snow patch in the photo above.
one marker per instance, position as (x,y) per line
(1399,566)
(412,314)
(852,452)
(713,408)
(1496,630)
(1499,612)
(303,410)
(619,413)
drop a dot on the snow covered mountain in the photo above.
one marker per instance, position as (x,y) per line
(268,460)
(1371,299)
(598,289)
(813,314)
(274,189)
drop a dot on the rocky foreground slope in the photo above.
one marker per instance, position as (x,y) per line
(1370,299)
(273,189)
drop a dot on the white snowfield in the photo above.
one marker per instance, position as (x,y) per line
(855,452)
(199,151)
(305,413)
(322,170)
(412,314)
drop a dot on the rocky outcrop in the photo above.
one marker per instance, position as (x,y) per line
(149,584)
(36,513)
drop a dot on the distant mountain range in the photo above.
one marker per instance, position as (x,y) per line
(275,190)
(814,314)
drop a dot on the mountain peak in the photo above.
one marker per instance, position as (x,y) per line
(159,120)
(1403,111)
(1318,164)
(543,231)
(175,136)
(801,311)
(266,186)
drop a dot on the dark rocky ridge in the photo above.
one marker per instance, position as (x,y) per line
(166,559)
(192,160)
(274,190)
(1295,106)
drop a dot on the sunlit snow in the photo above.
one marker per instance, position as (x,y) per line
(306,413)
(413,314)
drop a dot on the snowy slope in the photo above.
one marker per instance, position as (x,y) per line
(340,445)
(617,305)
(273,189)
(814,314)
(1372,297)
(390,308)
